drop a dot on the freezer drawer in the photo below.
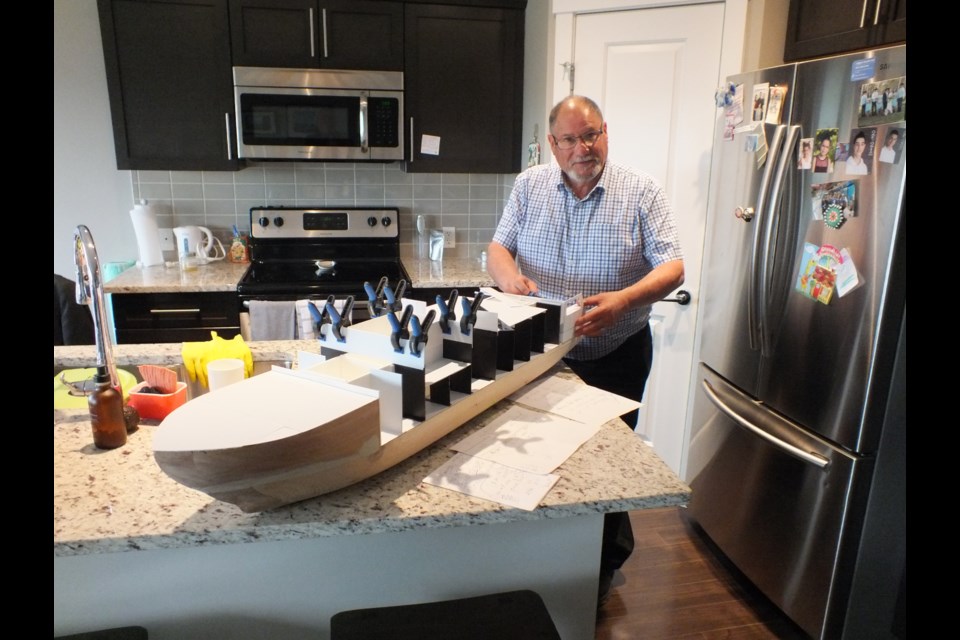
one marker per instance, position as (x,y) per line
(780,502)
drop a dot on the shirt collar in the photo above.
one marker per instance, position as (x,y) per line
(599,188)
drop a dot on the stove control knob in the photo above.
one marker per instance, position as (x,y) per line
(264,221)
(372,221)
(386,221)
(278,221)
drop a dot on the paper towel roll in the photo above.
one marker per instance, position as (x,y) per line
(144,217)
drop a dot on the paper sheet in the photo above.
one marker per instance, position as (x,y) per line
(492,481)
(574,400)
(528,440)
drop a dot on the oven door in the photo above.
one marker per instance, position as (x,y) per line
(311,124)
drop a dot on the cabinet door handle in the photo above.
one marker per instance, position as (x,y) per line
(164,311)
(226,117)
(411,139)
(326,53)
(876,14)
(863,13)
(313,45)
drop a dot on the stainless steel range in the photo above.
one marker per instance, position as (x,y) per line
(312,253)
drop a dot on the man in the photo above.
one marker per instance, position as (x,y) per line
(856,164)
(588,226)
(889,154)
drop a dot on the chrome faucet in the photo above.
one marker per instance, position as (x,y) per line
(90,292)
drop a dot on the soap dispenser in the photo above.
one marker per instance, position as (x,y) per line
(106,413)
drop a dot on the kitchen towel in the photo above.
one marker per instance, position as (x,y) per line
(144,218)
(305,329)
(272,320)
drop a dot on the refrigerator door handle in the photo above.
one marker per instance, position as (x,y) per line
(754,284)
(807,456)
(784,163)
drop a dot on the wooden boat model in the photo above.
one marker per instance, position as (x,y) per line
(382,394)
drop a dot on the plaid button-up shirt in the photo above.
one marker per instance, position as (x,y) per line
(611,239)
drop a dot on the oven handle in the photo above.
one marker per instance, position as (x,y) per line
(363,122)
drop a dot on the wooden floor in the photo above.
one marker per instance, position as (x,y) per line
(674,585)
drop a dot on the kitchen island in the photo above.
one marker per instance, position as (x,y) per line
(133,547)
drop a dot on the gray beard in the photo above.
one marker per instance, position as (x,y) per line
(580,180)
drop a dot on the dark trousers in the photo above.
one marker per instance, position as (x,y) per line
(624,372)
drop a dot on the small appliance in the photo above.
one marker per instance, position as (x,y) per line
(318,114)
(198,241)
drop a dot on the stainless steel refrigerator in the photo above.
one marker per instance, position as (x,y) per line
(798,443)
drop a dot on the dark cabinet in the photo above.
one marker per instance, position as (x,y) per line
(463,77)
(170,83)
(332,34)
(827,27)
(175,317)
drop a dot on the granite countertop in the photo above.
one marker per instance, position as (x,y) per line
(120,500)
(224,276)
(451,272)
(214,276)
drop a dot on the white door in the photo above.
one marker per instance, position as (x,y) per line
(654,72)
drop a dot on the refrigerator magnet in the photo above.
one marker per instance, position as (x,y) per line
(847,277)
(775,104)
(760,94)
(817,278)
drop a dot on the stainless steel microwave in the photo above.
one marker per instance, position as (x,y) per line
(318,114)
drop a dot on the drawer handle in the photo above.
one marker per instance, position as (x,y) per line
(160,311)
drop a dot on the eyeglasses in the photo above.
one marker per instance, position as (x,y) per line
(569,142)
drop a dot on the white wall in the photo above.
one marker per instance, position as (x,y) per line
(537,75)
(87,188)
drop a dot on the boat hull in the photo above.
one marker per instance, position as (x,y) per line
(263,476)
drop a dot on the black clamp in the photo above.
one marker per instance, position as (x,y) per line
(420,332)
(470,313)
(395,300)
(448,310)
(399,327)
(335,322)
(375,301)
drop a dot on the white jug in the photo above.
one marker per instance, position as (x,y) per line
(198,241)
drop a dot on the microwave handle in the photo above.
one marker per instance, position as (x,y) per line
(313,45)
(364,147)
(412,153)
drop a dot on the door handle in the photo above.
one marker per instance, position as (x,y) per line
(807,456)
(683,297)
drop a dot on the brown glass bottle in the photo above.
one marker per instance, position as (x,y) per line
(106,413)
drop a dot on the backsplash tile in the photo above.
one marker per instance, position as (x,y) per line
(470,202)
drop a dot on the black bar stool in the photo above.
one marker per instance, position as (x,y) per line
(514,615)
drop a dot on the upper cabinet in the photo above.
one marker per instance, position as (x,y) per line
(463,75)
(170,83)
(170,66)
(818,28)
(332,34)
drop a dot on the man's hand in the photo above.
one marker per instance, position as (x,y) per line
(520,285)
(503,269)
(607,309)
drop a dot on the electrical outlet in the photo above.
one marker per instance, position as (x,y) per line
(166,240)
(449,237)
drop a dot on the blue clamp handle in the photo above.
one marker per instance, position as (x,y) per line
(395,335)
